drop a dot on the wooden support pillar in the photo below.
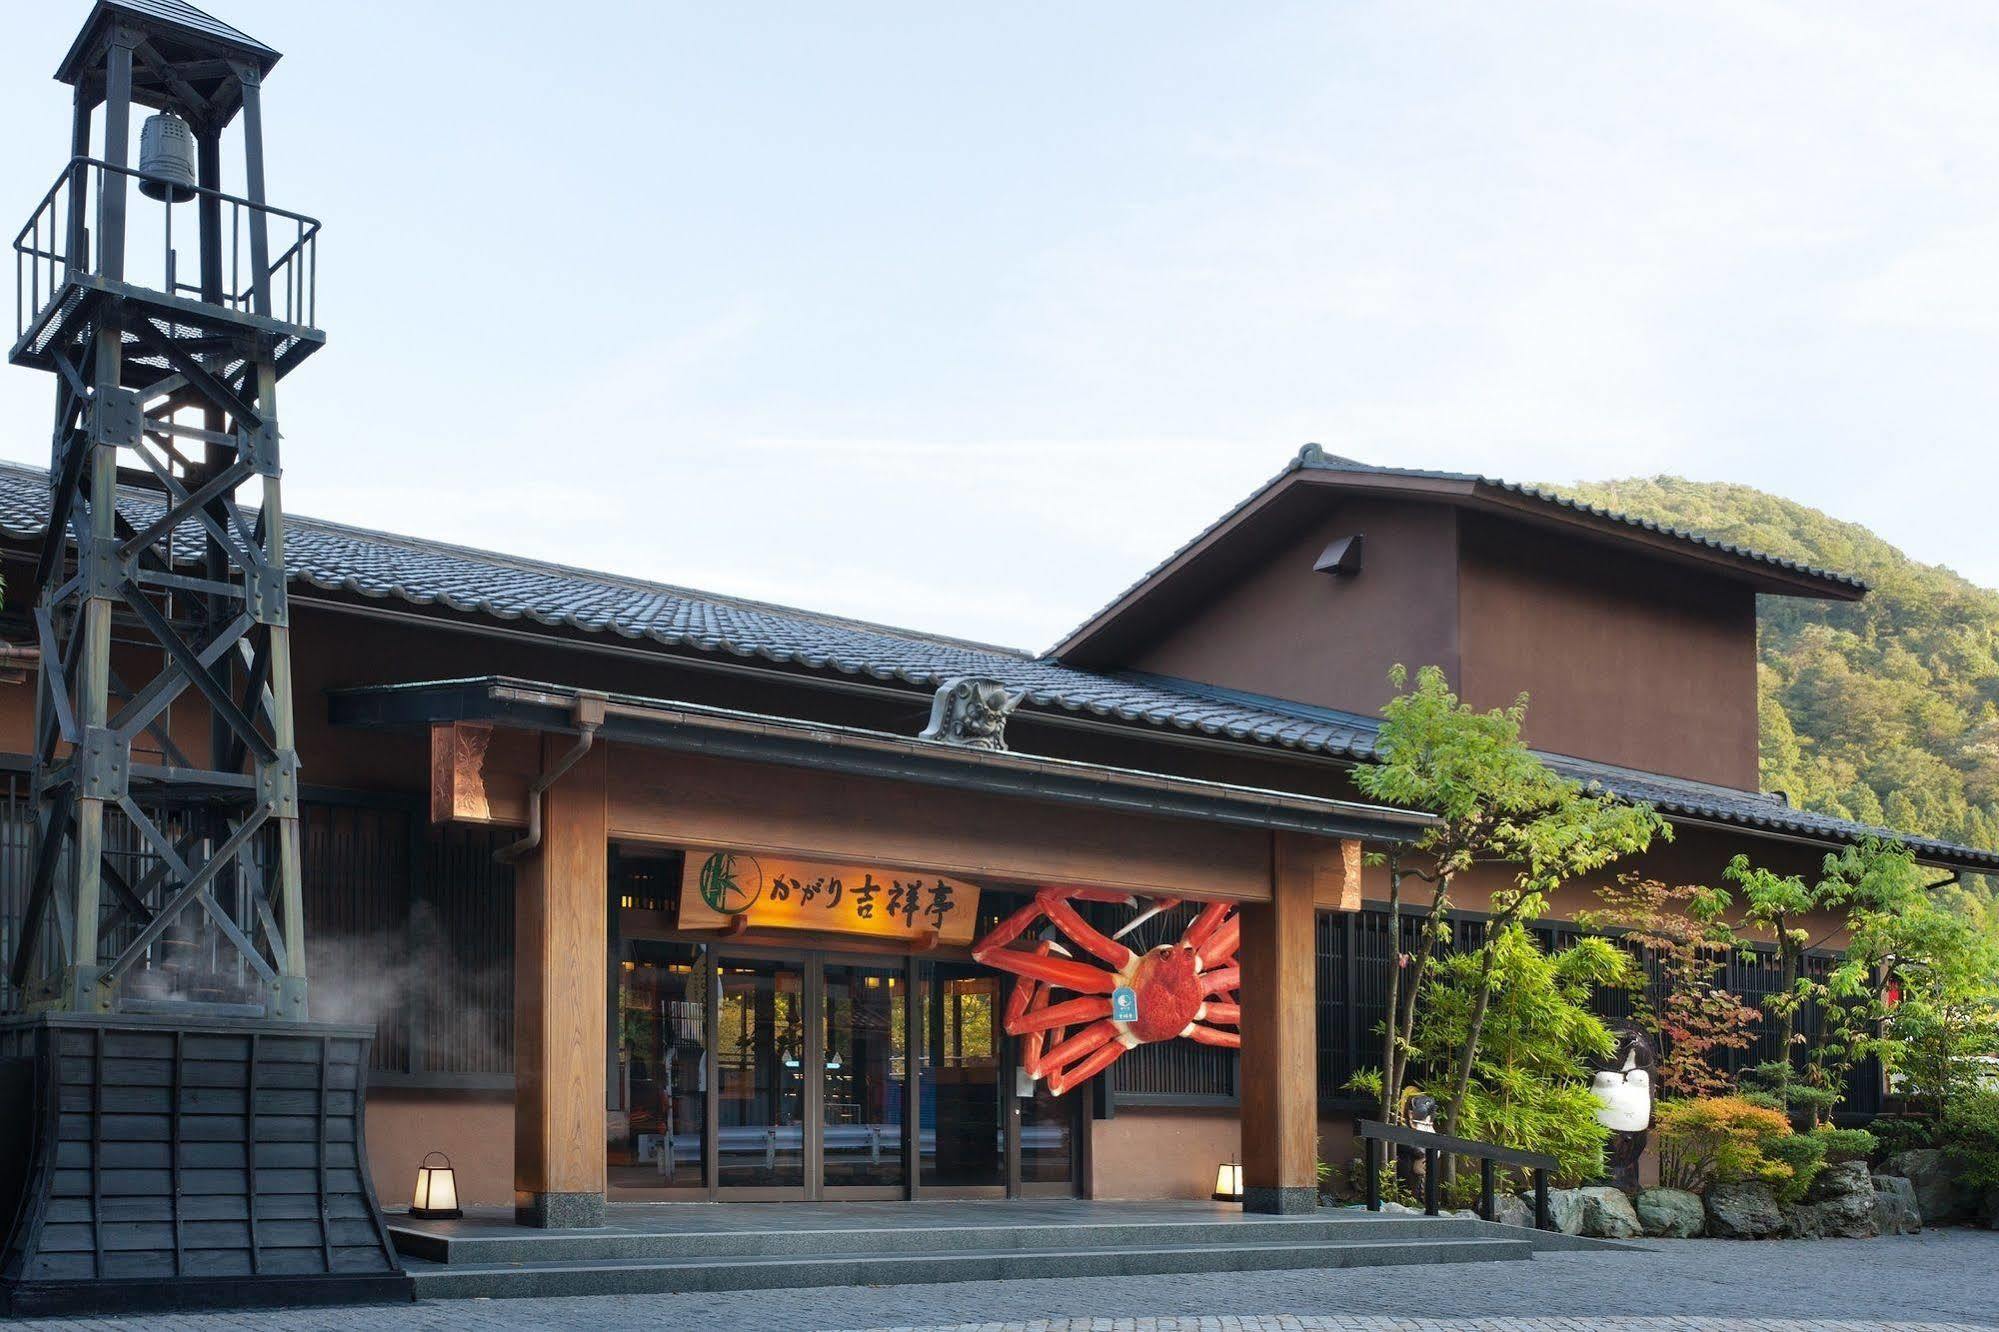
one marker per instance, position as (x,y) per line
(1279,1071)
(560,925)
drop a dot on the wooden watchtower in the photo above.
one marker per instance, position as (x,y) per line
(192,1136)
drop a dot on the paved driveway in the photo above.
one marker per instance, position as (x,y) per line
(1941,1278)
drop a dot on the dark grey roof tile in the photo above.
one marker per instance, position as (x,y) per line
(380,565)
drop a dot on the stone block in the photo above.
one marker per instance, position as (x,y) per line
(1743,1211)
(1671,1213)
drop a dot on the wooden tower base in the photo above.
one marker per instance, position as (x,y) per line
(176,1162)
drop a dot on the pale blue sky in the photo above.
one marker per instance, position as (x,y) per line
(961,316)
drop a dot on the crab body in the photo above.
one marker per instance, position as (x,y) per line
(1184,988)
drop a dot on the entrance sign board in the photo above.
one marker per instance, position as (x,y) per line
(718,888)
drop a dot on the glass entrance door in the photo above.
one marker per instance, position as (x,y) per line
(745,1074)
(764,1048)
(961,1080)
(862,1148)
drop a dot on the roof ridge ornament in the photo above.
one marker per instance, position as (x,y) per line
(971,711)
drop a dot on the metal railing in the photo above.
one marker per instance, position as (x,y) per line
(56,243)
(1374,1135)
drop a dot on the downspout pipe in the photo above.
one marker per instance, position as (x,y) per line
(589,715)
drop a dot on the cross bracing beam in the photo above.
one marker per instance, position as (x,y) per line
(147,871)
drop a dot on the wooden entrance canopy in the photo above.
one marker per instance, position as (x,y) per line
(580,768)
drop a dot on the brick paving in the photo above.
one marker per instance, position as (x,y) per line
(1940,1280)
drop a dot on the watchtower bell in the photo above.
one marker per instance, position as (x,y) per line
(167,861)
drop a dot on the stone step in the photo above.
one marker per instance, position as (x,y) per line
(887,1268)
(512,1245)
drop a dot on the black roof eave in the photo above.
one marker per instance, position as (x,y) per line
(850,751)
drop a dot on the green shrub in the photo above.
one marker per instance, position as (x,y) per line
(1840,1144)
(1903,1133)
(1803,1154)
(1971,1128)
(1719,1140)
(1776,1084)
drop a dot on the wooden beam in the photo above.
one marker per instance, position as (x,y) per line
(696,800)
(480,774)
(1332,867)
(560,933)
(1279,1080)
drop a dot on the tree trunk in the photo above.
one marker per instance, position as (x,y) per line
(1787,1024)
(1418,964)
(1461,1078)
(1390,1023)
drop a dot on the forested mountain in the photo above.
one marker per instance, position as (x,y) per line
(1885,710)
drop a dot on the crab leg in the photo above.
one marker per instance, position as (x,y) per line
(1214,1012)
(1029,998)
(1219,982)
(1204,924)
(1006,931)
(1084,1041)
(1221,945)
(1209,1036)
(1062,971)
(1058,1015)
(1065,918)
(1086,1069)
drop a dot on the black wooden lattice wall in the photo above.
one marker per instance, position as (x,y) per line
(409,929)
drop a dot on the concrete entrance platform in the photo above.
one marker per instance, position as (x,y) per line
(684,1247)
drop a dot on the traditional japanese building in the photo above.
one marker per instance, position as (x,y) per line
(651,893)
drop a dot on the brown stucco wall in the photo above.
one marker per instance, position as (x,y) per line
(1284,630)
(1625,659)
(474,1129)
(1161,1153)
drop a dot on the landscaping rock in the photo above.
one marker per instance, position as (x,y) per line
(1934,1174)
(1565,1209)
(1743,1211)
(1671,1213)
(1512,1211)
(1843,1179)
(1848,1216)
(1607,1214)
(1895,1209)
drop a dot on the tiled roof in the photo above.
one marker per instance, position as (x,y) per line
(179,11)
(1352,736)
(335,557)
(1314,458)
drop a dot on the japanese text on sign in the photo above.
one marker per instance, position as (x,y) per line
(768,893)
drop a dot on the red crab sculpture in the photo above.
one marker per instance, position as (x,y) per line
(1180,987)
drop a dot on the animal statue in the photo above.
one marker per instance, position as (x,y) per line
(971,711)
